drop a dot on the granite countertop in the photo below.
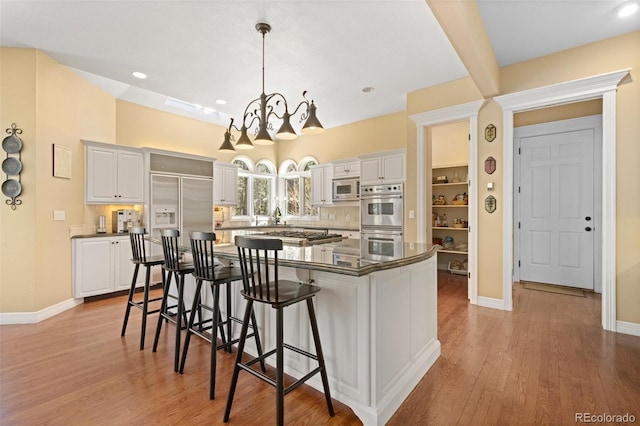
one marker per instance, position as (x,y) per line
(310,257)
(108,234)
(288,226)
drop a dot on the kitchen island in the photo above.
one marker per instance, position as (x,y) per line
(377,322)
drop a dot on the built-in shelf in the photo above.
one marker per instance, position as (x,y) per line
(450,184)
(451,206)
(450,228)
(452,251)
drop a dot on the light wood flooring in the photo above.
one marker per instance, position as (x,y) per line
(540,364)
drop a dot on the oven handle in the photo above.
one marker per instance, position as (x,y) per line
(379,231)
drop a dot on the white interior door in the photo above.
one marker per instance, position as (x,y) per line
(557,207)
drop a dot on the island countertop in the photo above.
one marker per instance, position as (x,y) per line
(319,257)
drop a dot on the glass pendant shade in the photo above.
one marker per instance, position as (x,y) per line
(226,145)
(263,137)
(286,131)
(312,126)
(244,142)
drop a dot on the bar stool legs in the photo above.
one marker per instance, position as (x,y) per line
(143,305)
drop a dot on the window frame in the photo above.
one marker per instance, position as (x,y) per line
(301,173)
(251,174)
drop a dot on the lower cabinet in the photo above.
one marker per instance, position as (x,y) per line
(102,265)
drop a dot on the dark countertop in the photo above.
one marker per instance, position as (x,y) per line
(108,234)
(310,257)
(288,226)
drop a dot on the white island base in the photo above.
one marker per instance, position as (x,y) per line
(378,334)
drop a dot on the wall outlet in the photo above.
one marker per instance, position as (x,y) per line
(59,215)
(412,214)
(332,216)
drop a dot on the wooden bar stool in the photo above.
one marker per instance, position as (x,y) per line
(257,255)
(174,267)
(205,269)
(139,257)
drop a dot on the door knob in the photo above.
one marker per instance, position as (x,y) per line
(588,218)
(588,228)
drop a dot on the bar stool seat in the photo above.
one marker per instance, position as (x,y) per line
(140,258)
(175,267)
(206,270)
(257,257)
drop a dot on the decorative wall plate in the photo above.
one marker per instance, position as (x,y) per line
(490,204)
(11,188)
(490,133)
(11,166)
(490,165)
(12,144)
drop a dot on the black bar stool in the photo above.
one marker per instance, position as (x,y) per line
(256,256)
(174,267)
(205,269)
(139,253)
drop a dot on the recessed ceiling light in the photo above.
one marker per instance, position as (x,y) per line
(627,9)
(221,101)
(367,89)
(138,74)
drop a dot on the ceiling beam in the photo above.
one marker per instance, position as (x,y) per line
(462,23)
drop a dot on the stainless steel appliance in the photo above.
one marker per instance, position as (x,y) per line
(300,238)
(346,189)
(124,219)
(382,244)
(381,221)
(382,205)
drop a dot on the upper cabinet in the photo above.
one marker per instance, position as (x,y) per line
(114,174)
(321,185)
(346,168)
(225,184)
(386,167)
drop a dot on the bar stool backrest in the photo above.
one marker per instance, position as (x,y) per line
(254,255)
(171,249)
(202,250)
(138,251)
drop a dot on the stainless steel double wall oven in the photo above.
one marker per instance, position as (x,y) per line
(381,219)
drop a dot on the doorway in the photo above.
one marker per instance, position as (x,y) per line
(557,202)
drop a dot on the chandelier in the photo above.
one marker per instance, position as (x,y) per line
(266,107)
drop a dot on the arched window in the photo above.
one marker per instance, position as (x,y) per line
(256,189)
(295,188)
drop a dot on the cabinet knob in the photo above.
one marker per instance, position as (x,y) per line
(588,228)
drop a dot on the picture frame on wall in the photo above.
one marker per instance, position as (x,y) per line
(61,161)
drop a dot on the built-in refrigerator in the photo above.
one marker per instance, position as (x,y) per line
(180,196)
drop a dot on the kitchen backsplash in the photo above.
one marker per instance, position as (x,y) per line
(92,214)
(330,216)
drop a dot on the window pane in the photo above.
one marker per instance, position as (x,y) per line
(308,164)
(263,168)
(261,196)
(241,165)
(291,168)
(241,209)
(292,204)
(309,210)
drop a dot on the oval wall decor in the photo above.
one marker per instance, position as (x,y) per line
(490,165)
(490,204)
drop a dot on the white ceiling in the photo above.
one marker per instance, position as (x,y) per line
(200,51)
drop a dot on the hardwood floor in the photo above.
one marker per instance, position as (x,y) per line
(540,364)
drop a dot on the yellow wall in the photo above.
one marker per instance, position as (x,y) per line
(52,105)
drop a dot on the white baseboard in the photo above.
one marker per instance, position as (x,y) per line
(489,302)
(41,315)
(628,328)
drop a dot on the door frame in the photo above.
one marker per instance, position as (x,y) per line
(561,126)
(463,112)
(601,86)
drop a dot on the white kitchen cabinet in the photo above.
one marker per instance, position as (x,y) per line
(103,265)
(225,184)
(383,168)
(114,175)
(322,185)
(322,253)
(346,168)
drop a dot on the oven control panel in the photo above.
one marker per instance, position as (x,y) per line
(388,189)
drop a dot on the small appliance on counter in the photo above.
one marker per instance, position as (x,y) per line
(102,225)
(125,219)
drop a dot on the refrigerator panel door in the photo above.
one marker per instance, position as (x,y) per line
(165,204)
(197,207)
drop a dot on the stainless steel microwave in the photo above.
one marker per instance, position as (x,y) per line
(346,189)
